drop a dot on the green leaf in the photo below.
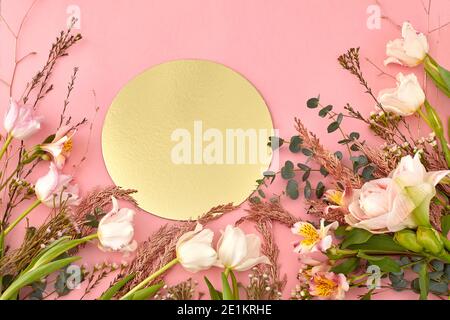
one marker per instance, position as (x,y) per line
(445,225)
(292,189)
(307,152)
(379,243)
(339,119)
(424,281)
(303,167)
(341,231)
(354,135)
(255,200)
(58,250)
(333,127)
(295,144)
(261,193)
(324,111)
(35,275)
(306,175)
(214,294)
(287,172)
(45,250)
(147,293)
(227,293)
(347,266)
(356,236)
(312,103)
(354,147)
(270,174)
(320,190)
(367,173)
(111,292)
(275,142)
(386,264)
(308,190)
(445,75)
(338,155)
(234,286)
(324,171)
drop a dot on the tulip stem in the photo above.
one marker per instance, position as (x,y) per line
(6,145)
(21,217)
(150,278)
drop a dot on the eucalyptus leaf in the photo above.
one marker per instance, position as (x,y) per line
(312,103)
(295,144)
(292,189)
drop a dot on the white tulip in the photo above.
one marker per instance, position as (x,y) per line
(238,251)
(404,100)
(409,51)
(116,231)
(194,249)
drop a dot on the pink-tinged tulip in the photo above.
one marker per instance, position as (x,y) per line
(60,147)
(116,230)
(313,239)
(405,99)
(55,188)
(194,249)
(238,251)
(19,121)
(409,51)
(328,285)
(398,202)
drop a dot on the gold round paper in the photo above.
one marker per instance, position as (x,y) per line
(137,133)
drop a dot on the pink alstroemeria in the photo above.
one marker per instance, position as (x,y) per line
(313,239)
(328,285)
(19,121)
(61,146)
(54,188)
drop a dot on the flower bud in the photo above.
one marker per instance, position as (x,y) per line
(445,241)
(430,240)
(408,240)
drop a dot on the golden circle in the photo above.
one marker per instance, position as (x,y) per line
(138,145)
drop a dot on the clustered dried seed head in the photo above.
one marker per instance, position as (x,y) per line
(185,290)
(327,159)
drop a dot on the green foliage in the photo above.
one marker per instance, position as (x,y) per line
(111,292)
(356,236)
(292,189)
(275,142)
(385,263)
(312,103)
(346,267)
(287,172)
(325,111)
(295,145)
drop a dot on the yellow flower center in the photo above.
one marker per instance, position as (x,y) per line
(336,197)
(67,147)
(309,234)
(324,287)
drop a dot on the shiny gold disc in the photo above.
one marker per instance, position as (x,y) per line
(183,134)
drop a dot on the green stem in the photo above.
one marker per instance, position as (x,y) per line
(6,145)
(150,278)
(424,117)
(21,217)
(435,123)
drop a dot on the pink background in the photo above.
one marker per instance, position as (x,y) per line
(287,49)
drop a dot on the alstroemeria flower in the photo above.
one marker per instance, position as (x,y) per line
(398,202)
(54,188)
(19,121)
(409,51)
(328,285)
(238,251)
(116,230)
(61,146)
(312,259)
(313,239)
(404,100)
(194,249)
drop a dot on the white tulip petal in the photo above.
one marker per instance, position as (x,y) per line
(232,246)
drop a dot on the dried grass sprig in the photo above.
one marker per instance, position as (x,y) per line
(328,160)
(58,225)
